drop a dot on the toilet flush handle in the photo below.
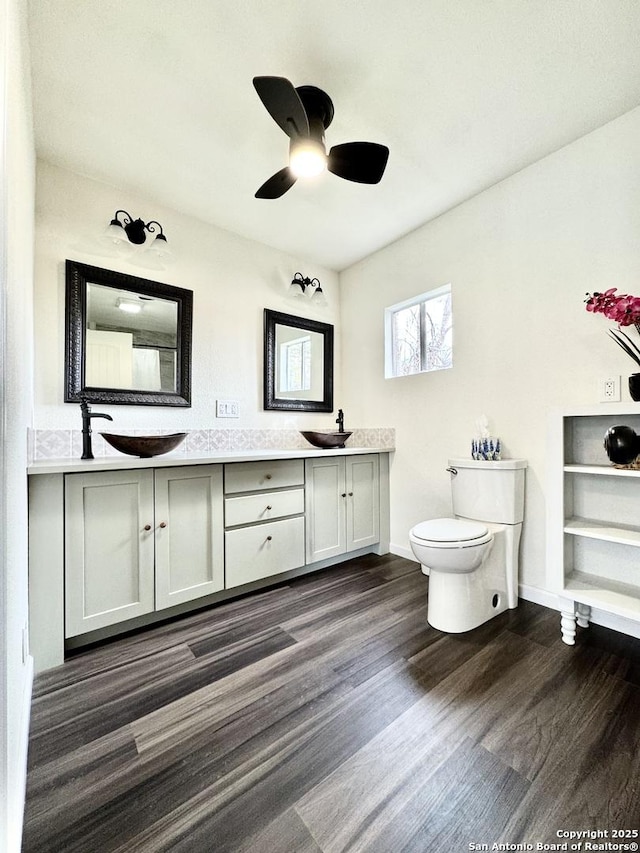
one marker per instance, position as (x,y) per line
(453,471)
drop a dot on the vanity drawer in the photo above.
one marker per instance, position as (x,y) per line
(263,550)
(254,476)
(265,506)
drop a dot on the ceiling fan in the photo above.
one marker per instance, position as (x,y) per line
(304,113)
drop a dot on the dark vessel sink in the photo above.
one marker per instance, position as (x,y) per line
(144,445)
(325,439)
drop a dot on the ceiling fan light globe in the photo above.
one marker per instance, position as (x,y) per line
(307,160)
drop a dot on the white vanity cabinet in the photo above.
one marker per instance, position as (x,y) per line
(140,540)
(593,544)
(264,519)
(116,544)
(343,505)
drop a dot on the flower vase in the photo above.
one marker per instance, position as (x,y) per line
(634,386)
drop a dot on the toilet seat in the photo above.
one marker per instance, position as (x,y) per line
(451,533)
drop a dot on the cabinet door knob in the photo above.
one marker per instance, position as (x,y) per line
(350,494)
(267,476)
(344,494)
(269,538)
(163,524)
(269,507)
(147,527)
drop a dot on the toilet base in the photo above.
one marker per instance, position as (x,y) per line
(461,602)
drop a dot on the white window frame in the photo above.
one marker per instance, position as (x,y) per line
(422,299)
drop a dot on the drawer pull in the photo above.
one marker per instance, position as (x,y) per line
(163,524)
(267,476)
(269,507)
(147,527)
(269,538)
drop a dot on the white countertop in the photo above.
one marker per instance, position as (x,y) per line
(175,459)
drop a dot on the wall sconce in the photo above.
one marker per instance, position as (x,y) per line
(127,233)
(310,287)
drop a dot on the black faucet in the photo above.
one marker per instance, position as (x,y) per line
(87,414)
(340,420)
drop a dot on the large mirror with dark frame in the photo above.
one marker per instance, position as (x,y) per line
(298,363)
(128,339)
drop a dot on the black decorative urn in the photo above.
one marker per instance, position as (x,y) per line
(622,444)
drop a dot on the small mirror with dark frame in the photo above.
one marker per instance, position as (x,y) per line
(298,363)
(128,339)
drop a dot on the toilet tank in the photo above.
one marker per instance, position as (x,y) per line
(488,491)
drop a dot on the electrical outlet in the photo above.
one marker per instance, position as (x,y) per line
(610,389)
(227,409)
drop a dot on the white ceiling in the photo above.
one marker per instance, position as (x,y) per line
(155,97)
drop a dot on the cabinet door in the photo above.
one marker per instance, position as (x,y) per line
(326,514)
(363,500)
(108,552)
(188,533)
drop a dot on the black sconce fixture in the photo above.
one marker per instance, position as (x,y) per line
(126,233)
(310,287)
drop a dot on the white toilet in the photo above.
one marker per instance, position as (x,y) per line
(472,559)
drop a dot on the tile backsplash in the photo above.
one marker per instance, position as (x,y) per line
(65,443)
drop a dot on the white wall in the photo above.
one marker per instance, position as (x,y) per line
(233,280)
(17,166)
(520,257)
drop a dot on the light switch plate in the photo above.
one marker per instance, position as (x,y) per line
(227,409)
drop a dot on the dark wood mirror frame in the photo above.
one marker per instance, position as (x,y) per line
(271,401)
(78,276)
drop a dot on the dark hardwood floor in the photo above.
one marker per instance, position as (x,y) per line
(325,715)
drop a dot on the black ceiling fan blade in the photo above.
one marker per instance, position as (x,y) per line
(277,184)
(283,104)
(363,162)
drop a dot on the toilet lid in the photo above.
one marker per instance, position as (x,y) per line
(450,530)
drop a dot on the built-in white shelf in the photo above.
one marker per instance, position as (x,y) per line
(593,542)
(604,531)
(618,598)
(604,470)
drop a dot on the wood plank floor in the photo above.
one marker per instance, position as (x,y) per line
(325,715)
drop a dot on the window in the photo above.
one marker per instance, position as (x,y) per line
(418,334)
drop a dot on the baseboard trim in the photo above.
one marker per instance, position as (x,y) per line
(16,794)
(539,596)
(400,551)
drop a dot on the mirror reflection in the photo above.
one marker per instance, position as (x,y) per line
(131,340)
(298,363)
